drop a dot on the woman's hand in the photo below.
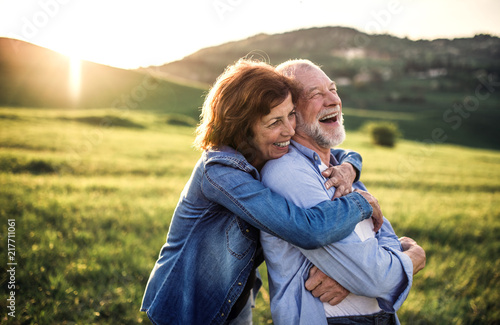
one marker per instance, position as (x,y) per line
(377,216)
(325,288)
(341,177)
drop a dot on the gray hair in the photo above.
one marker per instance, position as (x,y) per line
(291,68)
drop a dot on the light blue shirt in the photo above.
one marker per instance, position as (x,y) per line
(375,267)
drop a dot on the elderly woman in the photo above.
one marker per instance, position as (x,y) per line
(207,267)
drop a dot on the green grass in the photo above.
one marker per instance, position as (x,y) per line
(93,191)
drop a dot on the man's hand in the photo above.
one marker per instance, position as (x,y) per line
(341,177)
(415,252)
(326,289)
(377,216)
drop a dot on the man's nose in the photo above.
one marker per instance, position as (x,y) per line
(332,99)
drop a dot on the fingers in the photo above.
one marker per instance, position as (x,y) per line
(341,191)
(407,240)
(378,219)
(327,173)
(315,278)
(377,216)
(330,291)
(407,243)
(423,259)
(332,182)
(338,298)
(417,256)
(339,176)
(323,287)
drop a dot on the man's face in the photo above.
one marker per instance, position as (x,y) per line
(319,110)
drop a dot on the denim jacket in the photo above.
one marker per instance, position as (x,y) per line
(214,234)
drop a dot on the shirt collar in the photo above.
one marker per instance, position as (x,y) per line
(312,155)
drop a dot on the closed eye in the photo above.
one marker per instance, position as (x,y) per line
(275,123)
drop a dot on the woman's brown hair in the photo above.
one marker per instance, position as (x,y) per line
(244,93)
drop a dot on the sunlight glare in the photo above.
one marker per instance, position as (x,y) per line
(75,77)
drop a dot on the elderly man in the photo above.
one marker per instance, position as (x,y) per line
(376,268)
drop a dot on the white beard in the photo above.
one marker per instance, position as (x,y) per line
(322,138)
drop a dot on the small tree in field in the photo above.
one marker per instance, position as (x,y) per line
(383,133)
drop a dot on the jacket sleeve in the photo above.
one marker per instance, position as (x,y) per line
(351,157)
(325,223)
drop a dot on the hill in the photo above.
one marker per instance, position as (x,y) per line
(33,76)
(434,90)
(345,52)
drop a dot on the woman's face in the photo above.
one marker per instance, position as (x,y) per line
(272,133)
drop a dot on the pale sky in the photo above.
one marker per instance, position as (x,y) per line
(130,34)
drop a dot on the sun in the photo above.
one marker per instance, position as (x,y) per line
(75,77)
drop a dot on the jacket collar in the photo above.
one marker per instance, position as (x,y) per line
(229,157)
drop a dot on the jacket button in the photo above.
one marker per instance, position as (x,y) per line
(239,283)
(229,301)
(222,314)
(248,230)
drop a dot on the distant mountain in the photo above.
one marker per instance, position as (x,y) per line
(33,76)
(426,87)
(345,53)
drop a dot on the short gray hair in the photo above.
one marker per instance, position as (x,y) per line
(290,68)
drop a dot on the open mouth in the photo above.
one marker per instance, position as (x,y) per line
(282,144)
(330,118)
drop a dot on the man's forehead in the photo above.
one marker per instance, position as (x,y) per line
(313,79)
(320,84)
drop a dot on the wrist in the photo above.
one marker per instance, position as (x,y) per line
(363,204)
(352,170)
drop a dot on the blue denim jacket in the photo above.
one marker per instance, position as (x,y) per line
(213,238)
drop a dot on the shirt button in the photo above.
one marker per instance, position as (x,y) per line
(316,157)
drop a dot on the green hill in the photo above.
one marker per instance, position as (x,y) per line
(443,87)
(32,76)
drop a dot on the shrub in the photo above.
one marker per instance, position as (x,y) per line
(383,133)
(35,166)
(182,120)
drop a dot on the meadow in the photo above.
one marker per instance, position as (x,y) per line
(91,193)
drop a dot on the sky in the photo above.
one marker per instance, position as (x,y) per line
(130,34)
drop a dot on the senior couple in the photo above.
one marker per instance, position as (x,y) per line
(268,185)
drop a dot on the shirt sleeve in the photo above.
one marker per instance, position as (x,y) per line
(368,268)
(249,199)
(351,157)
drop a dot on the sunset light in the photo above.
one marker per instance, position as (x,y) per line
(156,32)
(74,77)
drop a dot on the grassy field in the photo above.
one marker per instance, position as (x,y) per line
(91,193)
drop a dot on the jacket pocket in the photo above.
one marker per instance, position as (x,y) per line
(240,238)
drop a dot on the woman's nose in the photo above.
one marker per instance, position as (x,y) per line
(289,128)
